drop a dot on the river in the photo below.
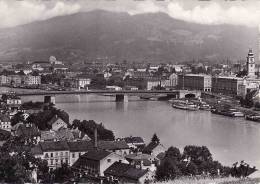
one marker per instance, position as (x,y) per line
(229,139)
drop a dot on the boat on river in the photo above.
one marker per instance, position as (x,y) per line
(231,112)
(185,105)
(253,117)
(201,104)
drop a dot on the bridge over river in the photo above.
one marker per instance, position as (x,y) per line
(118,94)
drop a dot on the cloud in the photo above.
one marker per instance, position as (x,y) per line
(245,13)
(21,12)
(215,13)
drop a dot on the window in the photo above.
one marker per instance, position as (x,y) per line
(61,153)
(46,155)
(51,154)
(51,162)
(56,154)
(73,155)
(109,160)
(66,154)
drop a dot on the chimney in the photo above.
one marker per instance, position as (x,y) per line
(95,138)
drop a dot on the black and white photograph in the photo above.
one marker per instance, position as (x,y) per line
(130,91)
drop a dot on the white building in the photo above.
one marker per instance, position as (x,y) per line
(82,82)
(5,122)
(250,64)
(32,80)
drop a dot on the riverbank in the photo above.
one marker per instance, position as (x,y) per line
(213,181)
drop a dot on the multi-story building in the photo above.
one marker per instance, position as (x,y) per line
(5,122)
(55,153)
(95,162)
(10,79)
(82,82)
(32,80)
(58,152)
(226,85)
(195,82)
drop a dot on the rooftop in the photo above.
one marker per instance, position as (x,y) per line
(96,155)
(112,145)
(123,170)
(80,146)
(54,146)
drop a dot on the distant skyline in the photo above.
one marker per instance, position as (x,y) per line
(238,12)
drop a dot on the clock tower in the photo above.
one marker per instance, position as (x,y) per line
(250,64)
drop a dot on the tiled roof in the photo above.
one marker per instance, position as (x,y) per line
(4,118)
(96,155)
(53,120)
(81,146)
(141,156)
(54,146)
(36,150)
(112,145)
(123,170)
(27,130)
(48,135)
(64,134)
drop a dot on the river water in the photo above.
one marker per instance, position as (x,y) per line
(229,139)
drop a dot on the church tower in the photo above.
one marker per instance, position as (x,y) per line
(250,64)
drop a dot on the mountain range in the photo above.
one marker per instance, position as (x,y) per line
(113,36)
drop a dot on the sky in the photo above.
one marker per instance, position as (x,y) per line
(236,12)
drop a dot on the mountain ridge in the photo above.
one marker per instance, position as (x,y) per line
(117,36)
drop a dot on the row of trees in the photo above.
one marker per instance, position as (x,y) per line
(88,128)
(194,160)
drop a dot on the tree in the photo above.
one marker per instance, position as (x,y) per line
(168,170)
(155,138)
(17,163)
(17,118)
(173,153)
(88,128)
(62,174)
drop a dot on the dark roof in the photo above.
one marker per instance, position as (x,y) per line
(4,118)
(112,145)
(54,146)
(96,155)
(29,130)
(55,118)
(36,150)
(150,147)
(123,170)
(134,139)
(81,146)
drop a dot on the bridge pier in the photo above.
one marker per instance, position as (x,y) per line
(121,98)
(49,99)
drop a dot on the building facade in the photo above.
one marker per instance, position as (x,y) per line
(32,80)
(226,85)
(195,82)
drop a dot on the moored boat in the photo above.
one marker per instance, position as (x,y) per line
(185,105)
(231,112)
(253,117)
